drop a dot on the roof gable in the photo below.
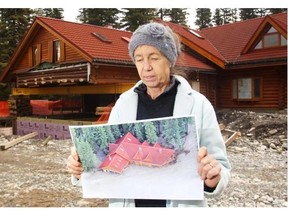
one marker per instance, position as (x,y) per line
(265,25)
(233,38)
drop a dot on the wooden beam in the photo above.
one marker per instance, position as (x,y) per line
(45,142)
(18,140)
(66,90)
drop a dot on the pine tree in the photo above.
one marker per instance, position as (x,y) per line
(138,131)
(277,10)
(14,22)
(86,155)
(150,132)
(226,15)
(261,12)
(177,15)
(247,13)
(203,18)
(50,12)
(217,18)
(100,16)
(134,17)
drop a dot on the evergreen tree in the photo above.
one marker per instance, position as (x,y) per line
(134,17)
(86,155)
(234,15)
(14,22)
(109,134)
(217,18)
(277,10)
(247,13)
(138,131)
(100,16)
(226,15)
(116,132)
(50,12)
(177,15)
(261,12)
(203,18)
(150,132)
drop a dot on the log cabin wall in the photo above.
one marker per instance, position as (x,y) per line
(103,74)
(208,87)
(273,88)
(44,39)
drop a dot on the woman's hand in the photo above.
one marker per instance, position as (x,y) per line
(74,165)
(208,168)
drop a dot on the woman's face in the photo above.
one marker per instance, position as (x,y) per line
(153,68)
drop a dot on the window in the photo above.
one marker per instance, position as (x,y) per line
(246,89)
(56,51)
(271,39)
(102,37)
(34,55)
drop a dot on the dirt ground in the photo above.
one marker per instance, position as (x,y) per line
(35,175)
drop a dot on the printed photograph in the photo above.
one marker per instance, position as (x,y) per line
(148,159)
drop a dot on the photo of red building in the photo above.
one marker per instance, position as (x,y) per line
(128,150)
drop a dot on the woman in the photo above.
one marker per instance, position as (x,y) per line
(154,49)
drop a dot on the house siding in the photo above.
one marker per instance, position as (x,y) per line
(274,88)
(44,38)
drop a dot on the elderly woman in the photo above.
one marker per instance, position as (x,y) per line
(154,49)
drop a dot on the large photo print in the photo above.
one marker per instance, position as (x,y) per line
(148,159)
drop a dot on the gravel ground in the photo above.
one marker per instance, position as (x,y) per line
(35,175)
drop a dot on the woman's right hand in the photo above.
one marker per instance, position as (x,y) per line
(74,165)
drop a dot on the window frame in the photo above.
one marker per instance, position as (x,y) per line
(272,31)
(253,91)
(56,56)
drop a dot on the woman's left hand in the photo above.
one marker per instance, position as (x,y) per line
(209,168)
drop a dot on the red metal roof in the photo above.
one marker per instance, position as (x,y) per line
(130,150)
(82,37)
(231,39)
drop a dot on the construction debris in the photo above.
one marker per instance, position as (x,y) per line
(18,140)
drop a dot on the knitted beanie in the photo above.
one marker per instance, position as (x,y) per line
(156,35)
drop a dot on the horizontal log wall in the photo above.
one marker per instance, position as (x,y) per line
(44,38)
(274,88)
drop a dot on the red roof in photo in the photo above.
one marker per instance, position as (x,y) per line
(129,150)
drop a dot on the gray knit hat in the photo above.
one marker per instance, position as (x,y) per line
(156,35)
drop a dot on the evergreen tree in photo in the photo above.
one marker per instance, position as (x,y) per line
(138,131)
(102,139)
(86,155)
(150,132)
(116,131)
(109,134)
